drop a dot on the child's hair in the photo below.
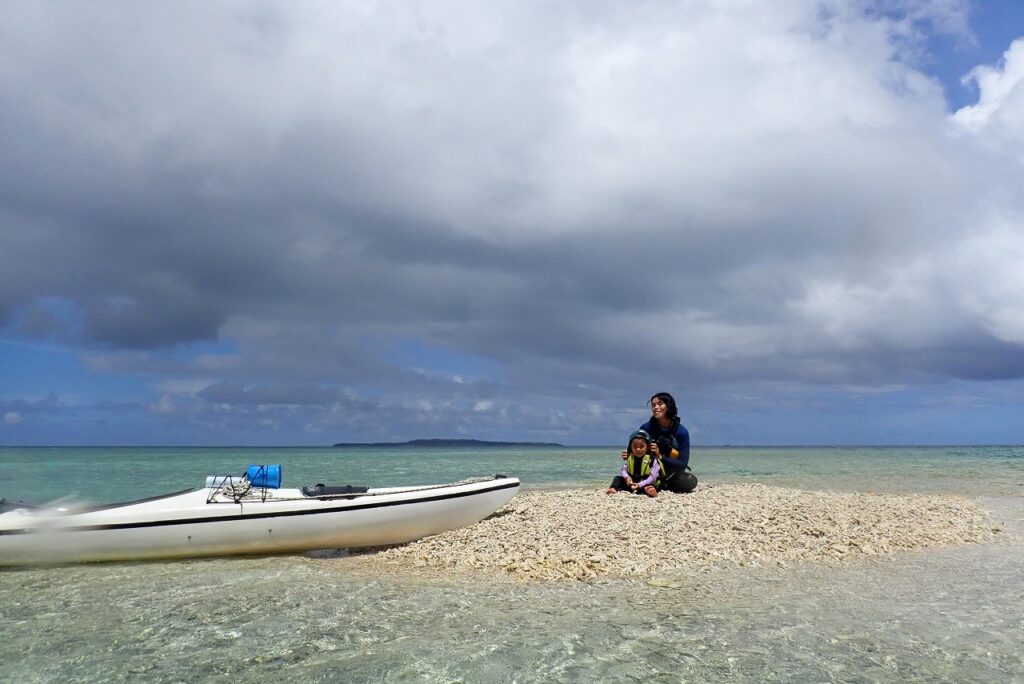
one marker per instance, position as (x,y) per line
(670,404)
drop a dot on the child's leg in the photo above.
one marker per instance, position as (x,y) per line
(617,485)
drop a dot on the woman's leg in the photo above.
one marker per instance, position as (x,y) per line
(679,479)
(683,483)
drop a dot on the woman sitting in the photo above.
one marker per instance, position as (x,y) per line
(670,442)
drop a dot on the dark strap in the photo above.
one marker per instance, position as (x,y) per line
(320,489)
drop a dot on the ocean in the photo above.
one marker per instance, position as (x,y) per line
(954,614)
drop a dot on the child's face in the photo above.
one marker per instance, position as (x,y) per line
(638,446)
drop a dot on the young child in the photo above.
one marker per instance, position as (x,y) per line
(642,470)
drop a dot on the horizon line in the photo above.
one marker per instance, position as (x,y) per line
(538,445)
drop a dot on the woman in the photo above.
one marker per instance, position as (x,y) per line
(671,441)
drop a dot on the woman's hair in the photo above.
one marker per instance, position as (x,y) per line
(671,412)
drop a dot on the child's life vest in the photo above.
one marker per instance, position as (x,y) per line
(639,469)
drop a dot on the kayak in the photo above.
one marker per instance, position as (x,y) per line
(244,516)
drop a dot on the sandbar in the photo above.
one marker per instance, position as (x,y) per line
(586,535)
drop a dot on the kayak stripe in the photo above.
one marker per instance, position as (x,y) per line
(279,514)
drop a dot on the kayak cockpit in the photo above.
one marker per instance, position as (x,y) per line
(321,489)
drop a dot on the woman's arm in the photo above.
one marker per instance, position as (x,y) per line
(683,440)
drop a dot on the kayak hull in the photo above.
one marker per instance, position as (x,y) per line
(204,523)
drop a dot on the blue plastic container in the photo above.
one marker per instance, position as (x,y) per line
(268,476)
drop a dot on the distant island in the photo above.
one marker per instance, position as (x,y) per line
(447,443)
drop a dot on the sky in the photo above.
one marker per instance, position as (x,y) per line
(257,223)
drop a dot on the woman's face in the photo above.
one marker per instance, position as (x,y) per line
(659,409)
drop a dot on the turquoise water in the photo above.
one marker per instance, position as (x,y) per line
(945,615)
(104,475)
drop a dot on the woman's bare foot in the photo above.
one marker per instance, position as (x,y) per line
(611,490)
(651,491)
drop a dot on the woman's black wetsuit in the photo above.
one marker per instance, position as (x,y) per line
(677,476)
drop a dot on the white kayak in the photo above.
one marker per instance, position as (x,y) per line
(232,517)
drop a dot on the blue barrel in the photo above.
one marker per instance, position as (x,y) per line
(268,476)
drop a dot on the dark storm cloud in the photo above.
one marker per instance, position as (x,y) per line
(591,197)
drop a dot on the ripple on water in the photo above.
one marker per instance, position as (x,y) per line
(951,614)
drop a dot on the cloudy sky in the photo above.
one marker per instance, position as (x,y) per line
(302,223)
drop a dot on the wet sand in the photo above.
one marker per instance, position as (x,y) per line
(586,535)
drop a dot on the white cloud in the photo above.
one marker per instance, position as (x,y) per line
(586,197)
(989,268)
(999,112)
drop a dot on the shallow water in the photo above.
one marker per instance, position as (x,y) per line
(944,615)
(104,475)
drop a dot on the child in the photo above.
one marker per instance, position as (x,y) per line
(641,472)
